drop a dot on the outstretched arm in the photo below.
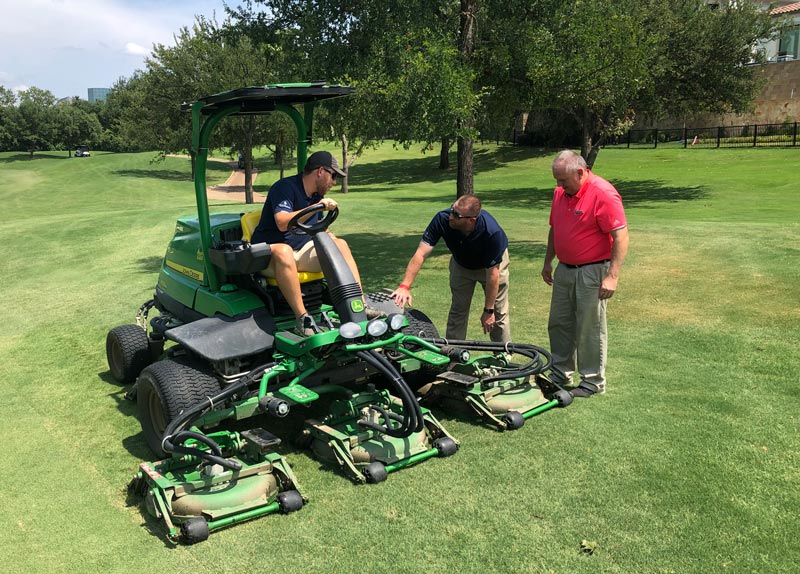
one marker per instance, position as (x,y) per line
(402,295)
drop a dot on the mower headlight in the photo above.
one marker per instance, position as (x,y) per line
(396,321)
(350,330)
(377,327)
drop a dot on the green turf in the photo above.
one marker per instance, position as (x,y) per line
(689,464)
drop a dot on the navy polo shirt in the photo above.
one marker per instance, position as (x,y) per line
(481,249)
(286,195)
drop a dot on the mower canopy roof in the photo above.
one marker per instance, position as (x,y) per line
(263,99)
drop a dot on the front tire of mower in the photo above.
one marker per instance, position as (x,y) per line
(513,420)
(374,472)
(446,446)
(194,530)
(127,352)
(289,501)
(165,389)
(564,398)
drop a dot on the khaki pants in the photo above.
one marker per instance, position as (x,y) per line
(305,257)
(462,287)
(577,326)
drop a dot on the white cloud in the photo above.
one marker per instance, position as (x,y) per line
(68,45)
(135,49)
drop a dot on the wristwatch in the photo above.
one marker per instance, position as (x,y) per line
(488,311)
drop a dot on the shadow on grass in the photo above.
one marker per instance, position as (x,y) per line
(37,155)
(635,193)
(163,174)
(404,171)
(149,265)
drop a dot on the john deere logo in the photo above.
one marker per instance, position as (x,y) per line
(357,306)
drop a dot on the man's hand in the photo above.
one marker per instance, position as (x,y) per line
(329,204)
(487,322)
(402,296)
(547,272)
(608,287)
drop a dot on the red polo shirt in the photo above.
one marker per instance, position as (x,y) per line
(582,224)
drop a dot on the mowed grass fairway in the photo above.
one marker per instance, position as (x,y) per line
(689,464)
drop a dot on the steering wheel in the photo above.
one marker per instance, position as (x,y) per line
(298,228)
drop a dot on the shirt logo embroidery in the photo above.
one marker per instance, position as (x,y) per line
(578,212)
(285,205)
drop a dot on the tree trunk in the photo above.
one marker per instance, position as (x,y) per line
(281,148)
(344,163)
(464,182)
(248,160)
(444,154)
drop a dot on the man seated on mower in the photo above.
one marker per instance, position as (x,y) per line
(290,252)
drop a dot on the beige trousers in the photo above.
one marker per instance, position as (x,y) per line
(462,287)
(577,326)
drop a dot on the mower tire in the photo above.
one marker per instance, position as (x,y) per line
(374,472)
(513,420)
(420,325)
(446,446)
(564,398)
(164,390)
(128,352)
(289,501)
(194,530)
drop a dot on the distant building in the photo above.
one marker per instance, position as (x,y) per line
(98,94)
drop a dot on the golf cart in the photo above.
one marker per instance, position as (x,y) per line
(82,151)
(220,361)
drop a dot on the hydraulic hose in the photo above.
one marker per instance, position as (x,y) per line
(412,420)
(214,456)
(170,442)
(541,360)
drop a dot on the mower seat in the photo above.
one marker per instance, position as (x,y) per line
(249,223)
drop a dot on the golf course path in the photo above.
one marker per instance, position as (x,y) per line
(233,188)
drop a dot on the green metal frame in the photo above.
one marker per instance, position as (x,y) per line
(273,97)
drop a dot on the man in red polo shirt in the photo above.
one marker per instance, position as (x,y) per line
(589,235)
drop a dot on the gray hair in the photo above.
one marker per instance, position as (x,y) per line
(571,161)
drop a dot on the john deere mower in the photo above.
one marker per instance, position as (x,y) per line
(221,361)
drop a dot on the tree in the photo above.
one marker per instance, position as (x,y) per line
(206,59)
(75,126)
(413,83)
(8,119)
(603,63)
(36,120)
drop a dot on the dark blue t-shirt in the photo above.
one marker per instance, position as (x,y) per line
(481,249)
(286,195)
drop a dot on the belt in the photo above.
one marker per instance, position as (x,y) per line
(584,264)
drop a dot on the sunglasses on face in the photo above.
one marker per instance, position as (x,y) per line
(457,215)
(333,173)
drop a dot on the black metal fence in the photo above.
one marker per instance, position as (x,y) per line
(754,135)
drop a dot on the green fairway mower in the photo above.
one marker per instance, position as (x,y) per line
(222,349)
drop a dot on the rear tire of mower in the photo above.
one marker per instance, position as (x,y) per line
(420,325)
(289,501)
(374,472)
(165,389)
(127,352)
(194,530)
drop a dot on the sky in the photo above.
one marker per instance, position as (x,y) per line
(68,46)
